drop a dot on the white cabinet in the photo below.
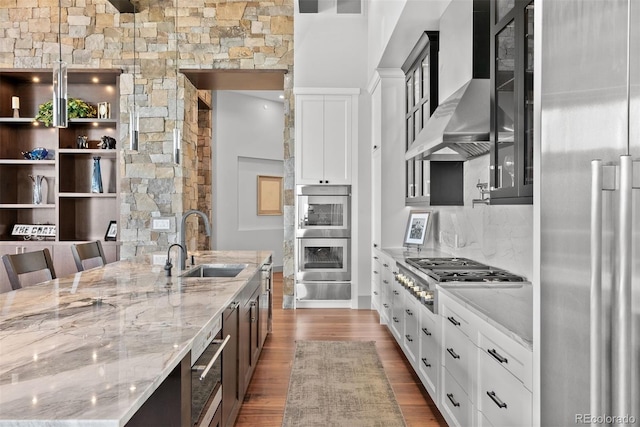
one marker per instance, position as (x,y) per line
(376,281)
(326,128)
(411,328)
(487,375)
(387,285)
(429,363)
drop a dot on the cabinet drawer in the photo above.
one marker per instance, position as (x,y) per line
(455,401)
(502,398)
(507,353)
(456,349)
(429,361)
(458,316)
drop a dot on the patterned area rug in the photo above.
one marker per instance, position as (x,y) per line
(339,383)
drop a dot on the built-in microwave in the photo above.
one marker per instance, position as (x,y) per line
(323,211)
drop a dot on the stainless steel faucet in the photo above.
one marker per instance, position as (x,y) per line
(183,239)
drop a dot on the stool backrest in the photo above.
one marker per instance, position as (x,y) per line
(88,255)
(29,262)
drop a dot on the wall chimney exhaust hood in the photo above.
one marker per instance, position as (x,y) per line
(459,128)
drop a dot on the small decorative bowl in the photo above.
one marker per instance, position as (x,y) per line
(36,154)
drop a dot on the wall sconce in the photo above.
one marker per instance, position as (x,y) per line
(60,118)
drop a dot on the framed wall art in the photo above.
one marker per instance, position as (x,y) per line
(269,195)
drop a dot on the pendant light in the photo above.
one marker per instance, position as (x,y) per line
(134,118)
(177,137)
(60,81)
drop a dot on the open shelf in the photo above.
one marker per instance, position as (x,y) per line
(78,214)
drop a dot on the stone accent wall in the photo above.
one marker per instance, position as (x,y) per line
(205,161)
(212,34)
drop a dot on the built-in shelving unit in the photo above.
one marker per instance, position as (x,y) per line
(68,202)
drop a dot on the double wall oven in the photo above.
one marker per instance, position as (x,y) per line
(323,242)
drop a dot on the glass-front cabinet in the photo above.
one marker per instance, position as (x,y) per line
(421,93)
(512,101)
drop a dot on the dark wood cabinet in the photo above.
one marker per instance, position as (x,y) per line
(512,38)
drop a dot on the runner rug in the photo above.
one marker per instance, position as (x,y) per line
(339,383)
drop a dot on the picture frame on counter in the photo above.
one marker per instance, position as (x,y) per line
(418,225)
(112,231)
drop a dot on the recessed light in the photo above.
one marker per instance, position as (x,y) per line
(36,79)
(281,96)
(95,80)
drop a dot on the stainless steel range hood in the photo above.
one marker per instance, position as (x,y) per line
(459,128)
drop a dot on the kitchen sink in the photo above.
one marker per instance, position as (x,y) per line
(215,270)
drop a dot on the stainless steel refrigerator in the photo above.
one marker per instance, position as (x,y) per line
(589,342)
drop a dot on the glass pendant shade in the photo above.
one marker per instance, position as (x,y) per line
(60,118)
(134,123)
(177,145)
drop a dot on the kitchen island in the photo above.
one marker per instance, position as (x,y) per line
(91,348)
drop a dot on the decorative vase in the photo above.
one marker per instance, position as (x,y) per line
(96,177)
(37,188)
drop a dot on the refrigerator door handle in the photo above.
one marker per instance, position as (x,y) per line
(621,298)
(596,336)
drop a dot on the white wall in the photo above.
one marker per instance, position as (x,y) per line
(247,141)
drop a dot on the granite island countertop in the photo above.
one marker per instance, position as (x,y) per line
(90,348)
(508,309)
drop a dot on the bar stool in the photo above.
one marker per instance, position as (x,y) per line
(88,255)
(29,262)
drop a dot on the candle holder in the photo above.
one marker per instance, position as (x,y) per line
(15,104)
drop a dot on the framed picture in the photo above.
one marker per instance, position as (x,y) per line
(104,110)
(112,231)
(269,195)
(417,227)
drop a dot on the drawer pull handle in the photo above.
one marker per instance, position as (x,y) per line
(395,319)
(409,312)
(375,257)
(450,396)
(496,399)
(205,370)
(396,292)
(453,320)
(408,337)
(386,282)
(386,265)
(497,356)
(426,331)
(425,362)
(375,272)
(385,305)
(375,292)
(453,353)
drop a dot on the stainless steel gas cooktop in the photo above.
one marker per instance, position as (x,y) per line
(462,271)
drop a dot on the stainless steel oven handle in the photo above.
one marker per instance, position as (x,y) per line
(205,369)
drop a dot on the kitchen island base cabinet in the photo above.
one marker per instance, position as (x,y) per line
(170,404)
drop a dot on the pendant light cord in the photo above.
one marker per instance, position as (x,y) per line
(60,30)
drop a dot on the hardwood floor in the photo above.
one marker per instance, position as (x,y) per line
(264,403)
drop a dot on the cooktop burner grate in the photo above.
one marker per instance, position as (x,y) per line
(490,275)
(449,263)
